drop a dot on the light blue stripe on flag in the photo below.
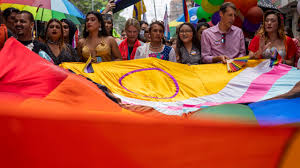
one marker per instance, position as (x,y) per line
(284,84)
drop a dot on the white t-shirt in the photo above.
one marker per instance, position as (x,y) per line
(145,52)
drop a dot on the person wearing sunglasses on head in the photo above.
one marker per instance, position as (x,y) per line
(223,41)
(271,37)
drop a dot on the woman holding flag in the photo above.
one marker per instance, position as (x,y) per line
(188,46)
(156,48)
(129,46)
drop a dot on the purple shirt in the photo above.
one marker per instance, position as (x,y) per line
(211,43)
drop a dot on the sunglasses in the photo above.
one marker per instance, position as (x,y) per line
(223,38)
(66,27)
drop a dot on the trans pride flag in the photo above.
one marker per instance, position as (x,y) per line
(166,24)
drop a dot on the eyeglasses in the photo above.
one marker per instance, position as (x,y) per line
(187,31)
(223,38)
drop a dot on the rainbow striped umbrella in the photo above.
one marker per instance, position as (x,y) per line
(46,9)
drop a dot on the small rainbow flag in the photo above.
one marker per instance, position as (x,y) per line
(275,58)
(185,11)
(236,64)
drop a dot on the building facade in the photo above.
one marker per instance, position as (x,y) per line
(176,8)
(289,9)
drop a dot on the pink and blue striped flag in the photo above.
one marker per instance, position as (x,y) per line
(166,24)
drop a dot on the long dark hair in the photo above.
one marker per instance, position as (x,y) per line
(61,39)
(195,40)
(101,32)
(72,29)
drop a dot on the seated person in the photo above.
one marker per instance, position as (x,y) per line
(271,37)
(223,41)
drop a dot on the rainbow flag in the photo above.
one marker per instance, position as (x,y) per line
(185,11)
(48,112)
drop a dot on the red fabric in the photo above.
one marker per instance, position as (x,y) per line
(296,41)
(3,35)
(124,49)
(25,73)
(289,46)
(50,135)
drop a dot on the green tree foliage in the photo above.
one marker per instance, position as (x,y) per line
(86,5)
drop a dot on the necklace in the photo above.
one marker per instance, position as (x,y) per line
(156,47)
(52,42)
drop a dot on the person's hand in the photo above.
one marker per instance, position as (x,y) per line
(111,5)
(222,58)
(262,45)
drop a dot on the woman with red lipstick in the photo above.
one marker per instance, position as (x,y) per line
(156,48)
(96,43)
(271,37)
(188,46)
(59,51)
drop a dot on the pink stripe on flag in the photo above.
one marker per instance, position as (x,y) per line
(259,87)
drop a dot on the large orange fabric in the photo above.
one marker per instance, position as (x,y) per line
(41,137)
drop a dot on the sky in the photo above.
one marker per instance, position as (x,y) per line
(160,9)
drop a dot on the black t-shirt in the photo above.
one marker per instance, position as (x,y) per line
(9,33)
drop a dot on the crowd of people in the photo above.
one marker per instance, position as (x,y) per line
(193,45)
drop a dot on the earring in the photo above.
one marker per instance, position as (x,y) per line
(100,28)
